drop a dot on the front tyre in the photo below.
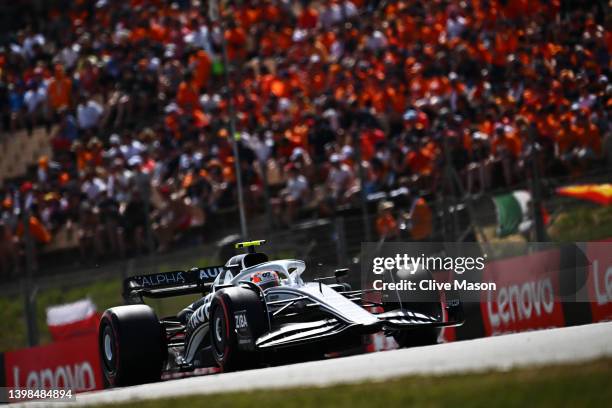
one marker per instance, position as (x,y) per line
(427,302)
(417,337)
(237,319)
(132,345)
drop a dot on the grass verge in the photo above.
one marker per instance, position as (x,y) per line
(584,385)
(585,223)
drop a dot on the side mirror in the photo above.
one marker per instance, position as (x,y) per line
(341,273)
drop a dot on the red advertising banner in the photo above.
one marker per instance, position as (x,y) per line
(527,294)
(73,364)
(600,280)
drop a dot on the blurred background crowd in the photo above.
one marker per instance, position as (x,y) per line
(131,96)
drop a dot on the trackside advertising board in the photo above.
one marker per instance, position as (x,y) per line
(73,364)
(600,281)
(527,295)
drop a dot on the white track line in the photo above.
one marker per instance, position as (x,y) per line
(555,346)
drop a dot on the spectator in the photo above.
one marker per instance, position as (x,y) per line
(386,225)
(35,101)
(66,133)
(294,196)
(89,113)
(507,148)
(59,91)
(90,233)
(420,220)
(8,252)
(16,106)
(324,86)
(135,219)
(339,184)
(110,219)
(174,217)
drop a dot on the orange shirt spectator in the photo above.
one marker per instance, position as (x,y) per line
(158,32)
(386,225)
(138,34)
(60,89)
(279,88)
(202,66)
(421,217)
(37,231)
(249,16)
(565,139)
(419,162)
(82,155)
(236,43)
(308,18)
(267,43)
(587,134)
(508,142)
(187,94)
(199,118)
(548,126)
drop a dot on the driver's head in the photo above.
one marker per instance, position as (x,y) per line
(265,279)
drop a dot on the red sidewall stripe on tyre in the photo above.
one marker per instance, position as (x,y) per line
(227,329)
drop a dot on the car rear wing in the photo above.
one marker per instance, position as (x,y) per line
(169,284)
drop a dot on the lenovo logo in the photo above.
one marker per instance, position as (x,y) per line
(603,284)
(518,302)
(79,377)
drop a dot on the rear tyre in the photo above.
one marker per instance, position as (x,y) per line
(232,346)
(132,345)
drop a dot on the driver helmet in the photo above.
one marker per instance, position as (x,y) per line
(265,279)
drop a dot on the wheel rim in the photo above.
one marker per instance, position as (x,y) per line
(219,330)
(108,347)
(108,350)
(219,339)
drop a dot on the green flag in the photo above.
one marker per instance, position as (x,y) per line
(513,213)
(217,67)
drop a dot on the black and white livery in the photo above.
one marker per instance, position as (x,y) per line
(253,312)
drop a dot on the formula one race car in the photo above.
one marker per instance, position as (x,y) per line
(252,312)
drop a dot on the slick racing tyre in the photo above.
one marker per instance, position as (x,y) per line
(237,319)
(132,345)
(425,302)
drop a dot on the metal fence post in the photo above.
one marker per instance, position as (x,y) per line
(362,185)
(266,192)
(29,294)
(232,121)
(144,184)
(536,190)
(340,241)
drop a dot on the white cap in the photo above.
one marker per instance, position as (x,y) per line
(135,160)
(298,151)
(347,151)
(172,107)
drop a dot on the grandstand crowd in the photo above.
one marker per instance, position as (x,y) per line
(131,93)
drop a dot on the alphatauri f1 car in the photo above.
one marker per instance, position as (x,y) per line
(252,312)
